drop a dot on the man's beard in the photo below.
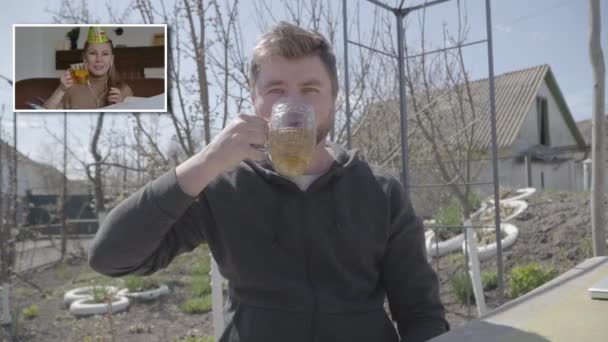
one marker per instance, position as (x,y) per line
(323,128)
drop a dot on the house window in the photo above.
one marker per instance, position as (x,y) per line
(543,121)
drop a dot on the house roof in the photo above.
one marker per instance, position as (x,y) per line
(515,93)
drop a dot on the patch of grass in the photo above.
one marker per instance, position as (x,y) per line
(586,247)
(183,263)
(24,292)
(489,279)
(450,214)
(202,266)
(195,339)
(455,259)
(101,293)
(139,284)
(197,305)
(200,285)
(30,312)
(63,271)
(462,287)
(527,277)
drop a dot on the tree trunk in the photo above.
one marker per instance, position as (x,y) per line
(598,216)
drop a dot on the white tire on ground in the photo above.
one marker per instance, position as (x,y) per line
(82,293)
(145,295)
(487,252)
(520,194)
(517,205)
(437,249)
(81,308)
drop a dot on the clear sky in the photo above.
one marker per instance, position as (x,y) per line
(526,33)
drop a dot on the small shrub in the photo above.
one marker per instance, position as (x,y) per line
(462,287)
(139,284)
(100,293)
(197,305)
(30,312)
(450,215)
(489,279)
(525,278)
(200,285)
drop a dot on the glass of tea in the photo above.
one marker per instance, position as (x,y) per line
(80,73)
(291,137)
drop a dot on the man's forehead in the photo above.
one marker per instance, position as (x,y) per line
(305,70)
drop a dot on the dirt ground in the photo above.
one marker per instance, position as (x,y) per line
(554,231)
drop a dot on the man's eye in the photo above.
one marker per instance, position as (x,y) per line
(310,90)
(275,91)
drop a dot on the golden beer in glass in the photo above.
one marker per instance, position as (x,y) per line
(292,138)
(80,73)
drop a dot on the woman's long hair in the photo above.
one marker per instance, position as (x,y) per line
(113,78)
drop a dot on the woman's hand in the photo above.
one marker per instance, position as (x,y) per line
(115,95)
(66,80)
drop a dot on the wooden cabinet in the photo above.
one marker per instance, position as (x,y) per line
(129,61)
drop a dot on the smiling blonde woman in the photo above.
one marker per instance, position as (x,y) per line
(103,86)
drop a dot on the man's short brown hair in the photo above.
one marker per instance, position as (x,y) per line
(291,41)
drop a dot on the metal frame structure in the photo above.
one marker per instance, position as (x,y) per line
(400,14)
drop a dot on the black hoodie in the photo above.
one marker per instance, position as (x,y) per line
(312,265)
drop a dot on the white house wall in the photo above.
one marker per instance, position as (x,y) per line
(559,132)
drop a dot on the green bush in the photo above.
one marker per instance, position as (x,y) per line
(139,284)
(200,286)
(30,312)
(197,305)
(489,279)
(451,215)
(462,287)
(525,278)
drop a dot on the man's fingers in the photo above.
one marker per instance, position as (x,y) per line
(255,119)
(257,137)
(254,153)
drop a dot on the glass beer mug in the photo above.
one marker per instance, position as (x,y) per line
(80,73)
(291,137)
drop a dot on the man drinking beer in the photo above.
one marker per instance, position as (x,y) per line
(308,257)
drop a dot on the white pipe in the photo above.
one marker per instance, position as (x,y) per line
(217,300)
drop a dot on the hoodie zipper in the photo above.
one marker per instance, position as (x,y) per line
(311,283)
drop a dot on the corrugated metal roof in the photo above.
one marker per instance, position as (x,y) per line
(515,92)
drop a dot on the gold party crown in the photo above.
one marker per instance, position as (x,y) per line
(97,35)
